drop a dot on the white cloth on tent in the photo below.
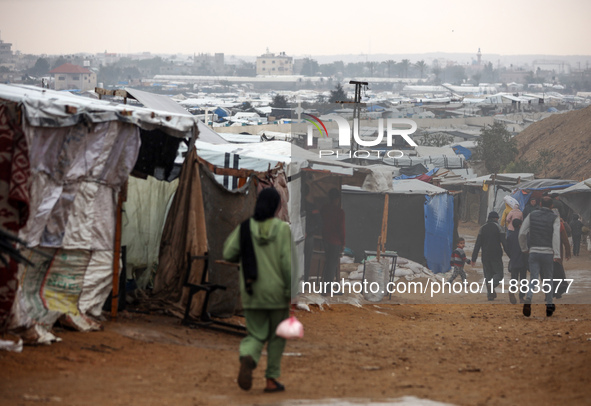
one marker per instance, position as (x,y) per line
(75,175)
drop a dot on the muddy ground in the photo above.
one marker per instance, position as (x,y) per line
(470,354)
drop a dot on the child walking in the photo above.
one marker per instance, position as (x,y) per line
(458,259)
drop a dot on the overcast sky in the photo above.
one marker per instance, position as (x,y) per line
(298,28)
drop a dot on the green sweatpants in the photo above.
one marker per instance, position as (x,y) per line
(261,325)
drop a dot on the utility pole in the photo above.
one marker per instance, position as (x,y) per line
(356,109)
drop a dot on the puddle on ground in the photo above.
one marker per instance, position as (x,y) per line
(403,401)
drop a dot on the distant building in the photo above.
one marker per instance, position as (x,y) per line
(6,60)
(68,76)
(207,64)
(5,50)
(551,65)
(107,58)
(271,64)
(517,75)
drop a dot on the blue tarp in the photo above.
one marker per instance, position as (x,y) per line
(375,108)
(439,228)
(522,198)
(523,192)
(220,112)
(458,149)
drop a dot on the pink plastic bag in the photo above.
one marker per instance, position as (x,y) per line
(290,328)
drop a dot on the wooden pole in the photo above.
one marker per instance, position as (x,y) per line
(117,250)
(384,231)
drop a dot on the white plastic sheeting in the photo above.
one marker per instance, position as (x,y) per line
(49,108)
(144,215)
(76,173)
(408,187)
(578,197)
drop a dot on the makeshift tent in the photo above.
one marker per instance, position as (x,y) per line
(578,198)
(484,194)
(227,203)
(524,190)
(80,152)
(420,222)
(149,200)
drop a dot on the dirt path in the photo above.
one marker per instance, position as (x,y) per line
(478,354)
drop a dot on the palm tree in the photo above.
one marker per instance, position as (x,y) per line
(390,64)
(404,67)
(436,69)
(421,66)
(371,66)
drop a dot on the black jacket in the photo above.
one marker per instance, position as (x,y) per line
(491,238)
(517,258)
(576,228)
(528,209)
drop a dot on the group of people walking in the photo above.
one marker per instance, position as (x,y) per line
(535,239)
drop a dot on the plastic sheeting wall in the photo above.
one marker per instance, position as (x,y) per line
(224,210)
(76,173)
(439,231)
(406,223)
(143,221)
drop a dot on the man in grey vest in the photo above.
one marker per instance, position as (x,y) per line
(543,227)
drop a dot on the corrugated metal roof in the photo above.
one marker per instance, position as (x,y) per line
(157,101)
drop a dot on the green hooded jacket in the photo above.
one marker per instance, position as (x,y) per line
(272,248)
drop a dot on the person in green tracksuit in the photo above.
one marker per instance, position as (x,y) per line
(262,245)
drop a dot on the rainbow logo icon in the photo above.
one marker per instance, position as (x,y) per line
(315,124)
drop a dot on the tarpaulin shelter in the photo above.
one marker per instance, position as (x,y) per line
(69,158)
(167,223)
(524,190)
(578,198)
(149,200)
(228,193)
(484,194)
(421,222)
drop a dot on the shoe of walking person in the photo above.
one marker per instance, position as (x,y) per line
(550,309)
(527,309)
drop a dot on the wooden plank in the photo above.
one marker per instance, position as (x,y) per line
(384,232)
(117,250)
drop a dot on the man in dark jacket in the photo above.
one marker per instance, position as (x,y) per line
(491,238)
(559,204)
(543,227)
(576,227)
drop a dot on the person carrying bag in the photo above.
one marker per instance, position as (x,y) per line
(263,246)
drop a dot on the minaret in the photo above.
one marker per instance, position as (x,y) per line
(479,56)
